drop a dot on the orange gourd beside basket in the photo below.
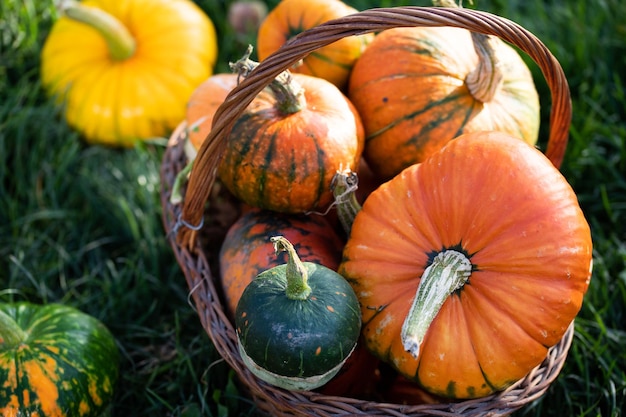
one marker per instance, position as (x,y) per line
(195,229)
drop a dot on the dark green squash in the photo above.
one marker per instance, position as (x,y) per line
(54,361)
(297,323)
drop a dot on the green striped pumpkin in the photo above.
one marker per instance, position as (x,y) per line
(284,150)
(54,361)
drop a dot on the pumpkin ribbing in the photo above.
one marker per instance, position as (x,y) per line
(284,160)
(504,206)
(289,18)
(423,95)
(141,92)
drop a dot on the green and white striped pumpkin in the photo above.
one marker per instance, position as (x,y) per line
(297,323)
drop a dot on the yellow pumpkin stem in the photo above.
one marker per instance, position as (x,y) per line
(483,81)
(120,41)
(287,91)
(11,335)
(448,272)
(297,275)
(343,185)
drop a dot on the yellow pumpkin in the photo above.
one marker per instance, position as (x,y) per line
(124,69)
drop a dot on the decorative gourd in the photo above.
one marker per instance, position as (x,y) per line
(245,253)
(290,17)
(297,323)
(124,69)
(417,88)
(283,151)
(470,265)
(54,361)
(201,108)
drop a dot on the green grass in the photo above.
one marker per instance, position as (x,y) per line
(81,224)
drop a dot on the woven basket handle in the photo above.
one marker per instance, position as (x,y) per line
(207,160)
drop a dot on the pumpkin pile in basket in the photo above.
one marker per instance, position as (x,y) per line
(417,179)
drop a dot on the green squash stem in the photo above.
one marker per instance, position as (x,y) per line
(448,272)
(486,78)
(288,92)
(120,41)
(11,334)
(297,276)
(344,185)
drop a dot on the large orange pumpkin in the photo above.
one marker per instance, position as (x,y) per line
(470,265)
(290,17)
(417,88)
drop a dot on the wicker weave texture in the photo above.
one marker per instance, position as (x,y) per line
(196,261)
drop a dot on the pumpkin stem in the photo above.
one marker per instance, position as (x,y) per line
(448,272)
(297,275)
(286,90)
(120,41)
(11,334)
(344,185)
(484,81)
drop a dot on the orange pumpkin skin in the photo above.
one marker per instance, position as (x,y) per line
(503,204)
(203,104)
(410,90)
(247,251)
(290,17)
(285,162)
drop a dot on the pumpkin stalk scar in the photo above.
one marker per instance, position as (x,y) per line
(448,272)
(344,185)
(288,93)
(297,275)
(120,41)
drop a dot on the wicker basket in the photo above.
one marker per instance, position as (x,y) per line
(195,229)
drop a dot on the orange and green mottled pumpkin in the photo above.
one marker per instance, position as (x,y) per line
(54,361)
(417,88)
(285,148)
(470,265)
